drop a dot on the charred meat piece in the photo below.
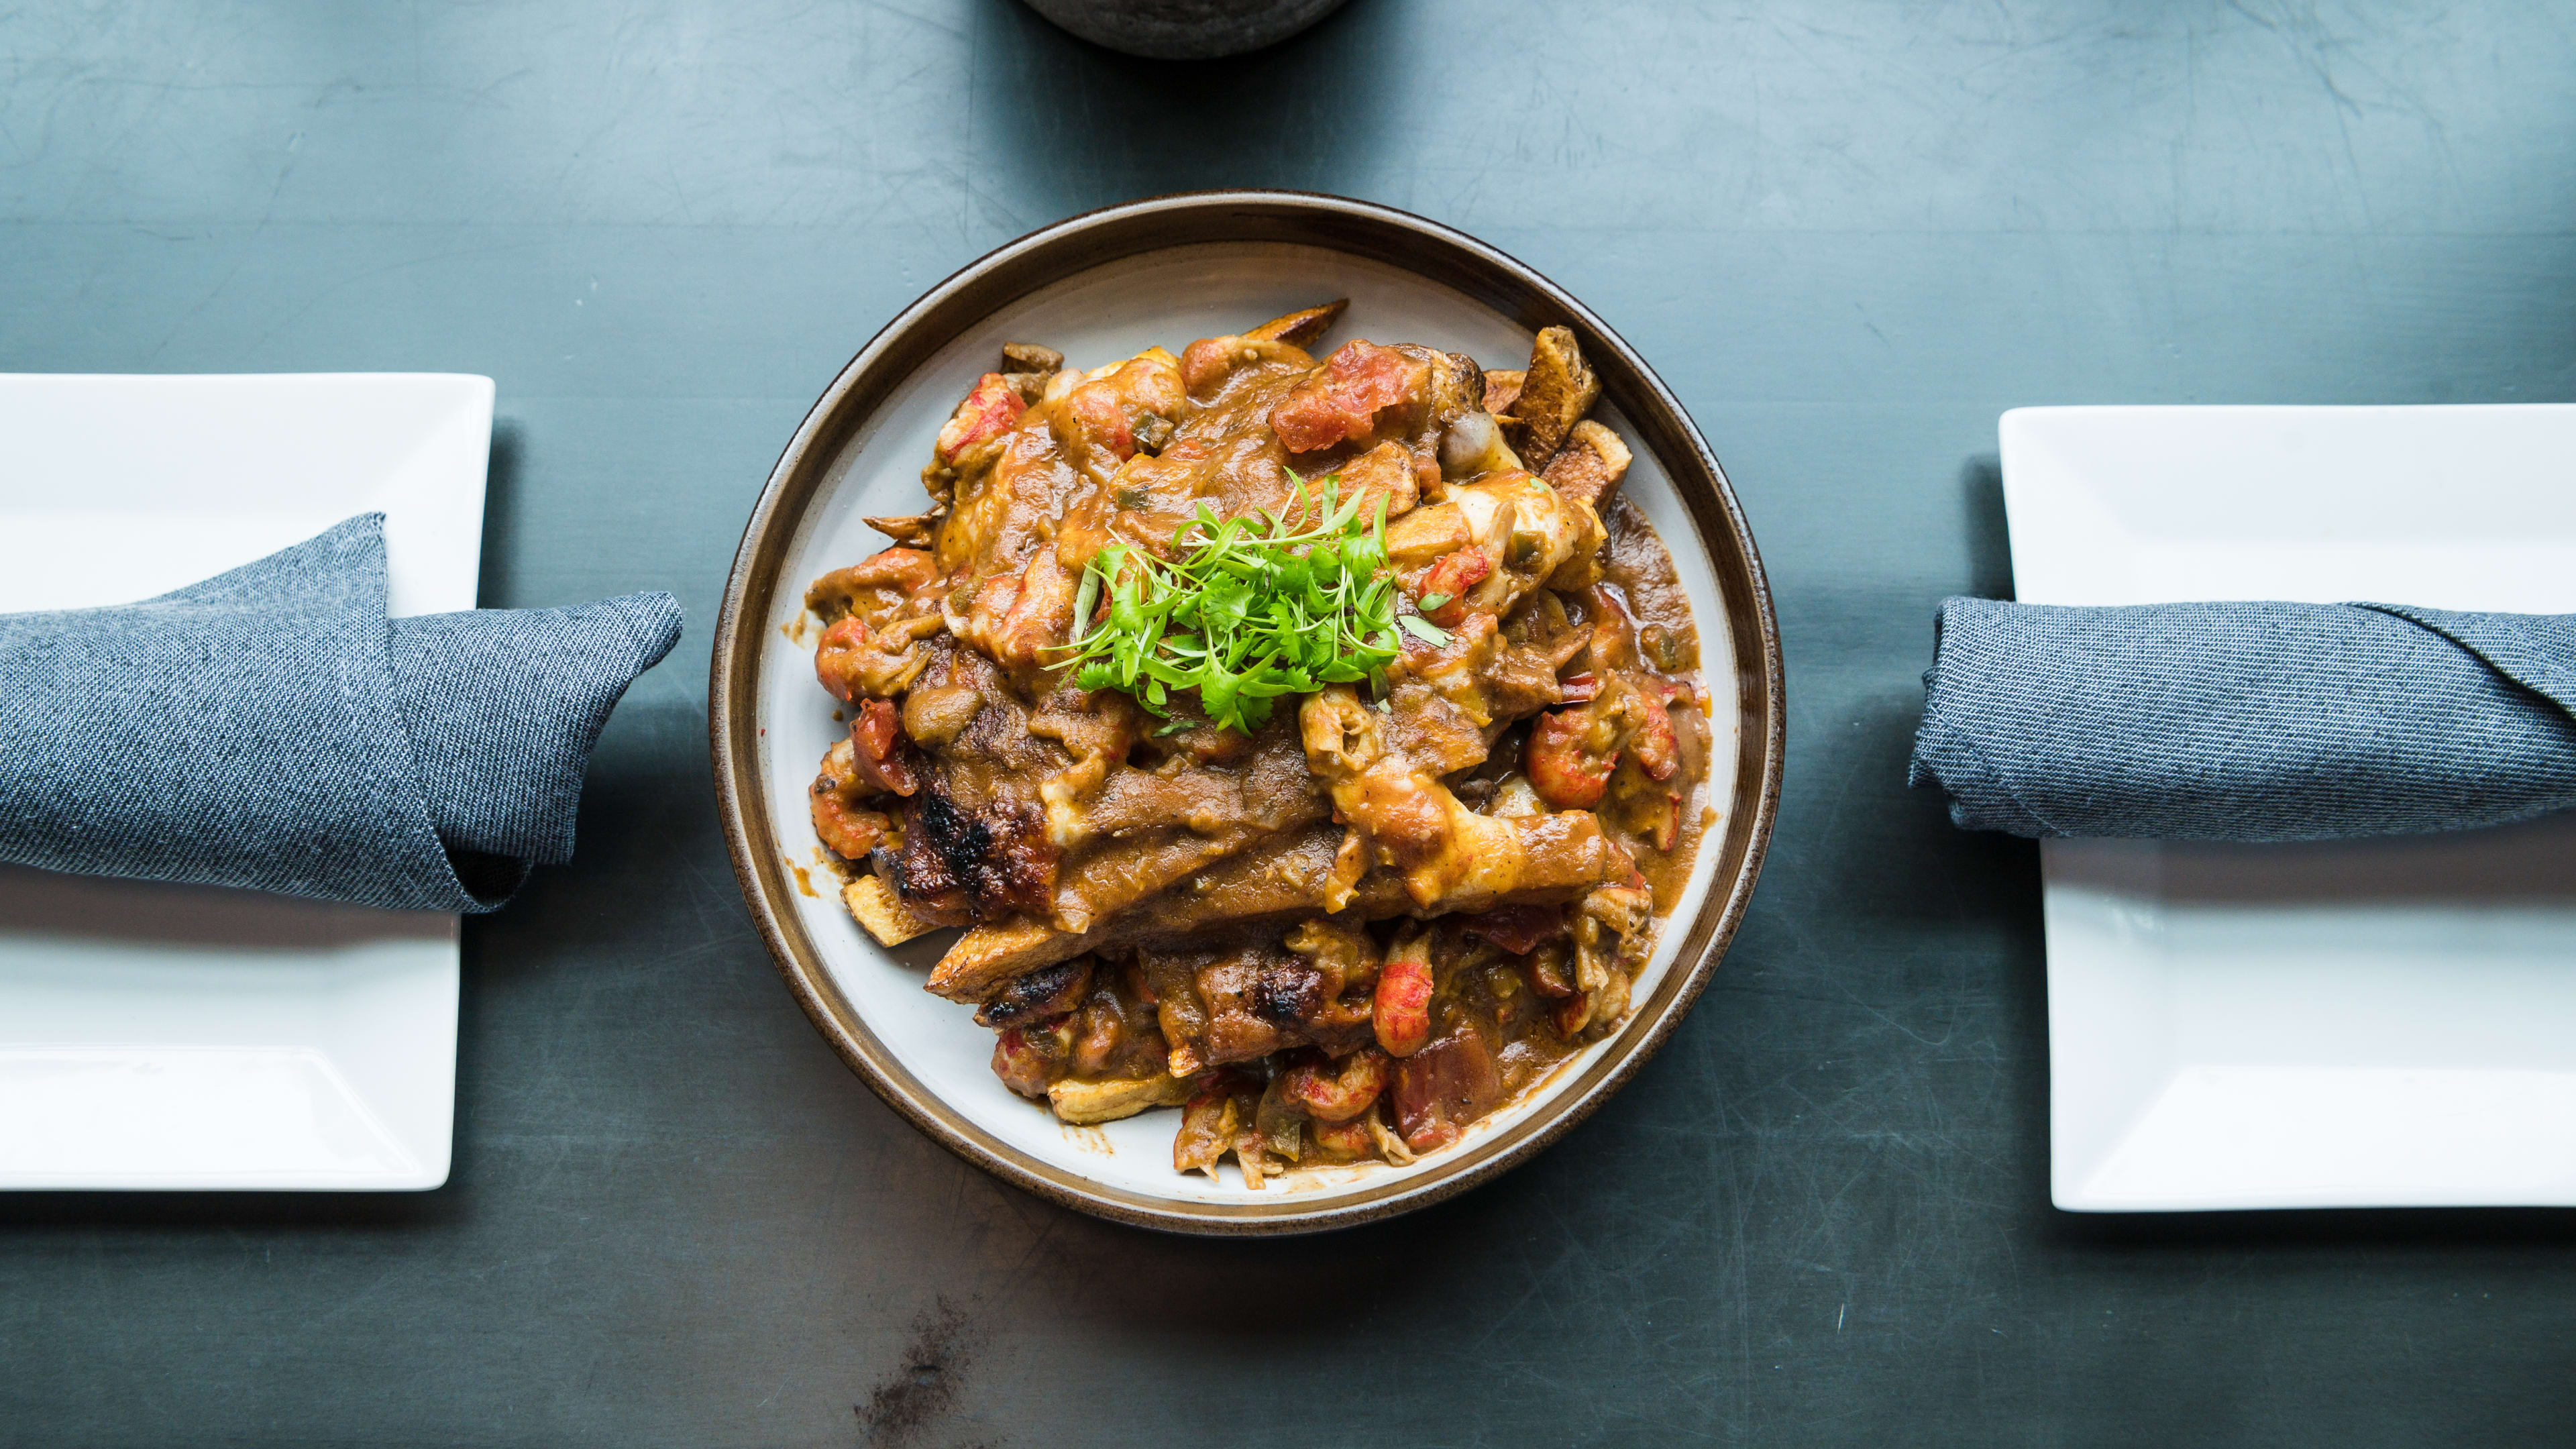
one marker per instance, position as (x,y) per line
(975,845)
(1138,829)
(1553,859)
(962,865)
(1030,1058)
(1049,991)
(1117,1033)
(1451,857)
(1517,929)
(1233,1005)
(989,955)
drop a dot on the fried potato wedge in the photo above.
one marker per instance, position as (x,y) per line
(1030,357)
(987,956)
(1272,888)
(878,911)
(1085,1104)
(1556,391)
(1590,464)
(1301,328)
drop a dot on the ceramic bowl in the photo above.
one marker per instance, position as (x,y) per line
(1100,287)
(1185,29)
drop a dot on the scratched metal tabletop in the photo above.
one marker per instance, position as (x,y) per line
(1849,236)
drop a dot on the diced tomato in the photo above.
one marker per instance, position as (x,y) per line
(1449,580)
(875,743)
(1028,1058)
(1358,381)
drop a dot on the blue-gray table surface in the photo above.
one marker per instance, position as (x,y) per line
(1848,236)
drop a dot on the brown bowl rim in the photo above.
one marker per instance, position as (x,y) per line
(1439,254)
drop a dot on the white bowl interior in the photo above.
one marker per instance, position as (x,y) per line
(1112,311)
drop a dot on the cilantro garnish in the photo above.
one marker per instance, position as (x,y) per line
(1246,611)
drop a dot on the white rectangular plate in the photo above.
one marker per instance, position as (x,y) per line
(172,1037)
(2342,1024)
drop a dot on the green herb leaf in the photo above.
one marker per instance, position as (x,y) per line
(1424,630)
(1248,610)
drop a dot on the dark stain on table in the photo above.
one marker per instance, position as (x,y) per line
(921,1392)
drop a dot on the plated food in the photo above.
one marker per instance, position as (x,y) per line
(1308,738)
(1105,286)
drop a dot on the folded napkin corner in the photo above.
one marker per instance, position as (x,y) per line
(270,728)
(2258,721)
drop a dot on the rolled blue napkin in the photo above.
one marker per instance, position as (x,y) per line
(2247,721)
(270,728)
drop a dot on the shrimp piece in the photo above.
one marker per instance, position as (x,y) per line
(1572,751)
(1403,1007)
(850,831)
(837,660)
(1570,756)
(1650,729)
(1337,1095)
(1349,1141)
(989,411)
(882,579)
